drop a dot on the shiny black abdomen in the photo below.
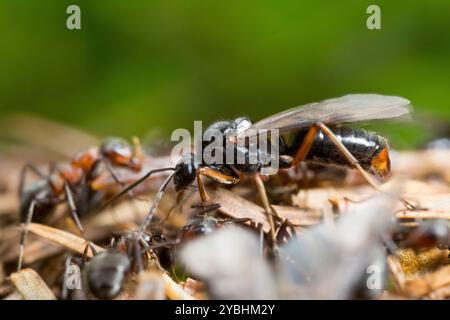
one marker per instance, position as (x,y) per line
(363,145)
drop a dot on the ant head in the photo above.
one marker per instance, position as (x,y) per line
(120,153)
(185,171)
(106,273)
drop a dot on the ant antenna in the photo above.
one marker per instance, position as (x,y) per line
(134,184)
(152,210)
(181,198)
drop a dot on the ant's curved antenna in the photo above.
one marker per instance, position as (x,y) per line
(134,184)
(181,198)
(152,210)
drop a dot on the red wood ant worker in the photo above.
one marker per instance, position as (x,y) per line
(39,198)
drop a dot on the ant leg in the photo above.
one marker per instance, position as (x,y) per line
(84,256)
(137,252)
(74,214)
(155,203)
(23,174)
(354,162)
(201,189)
(268,209)
(306,146)
(216,176)
(348,156)
(178,201)
(282,232)
(24,233)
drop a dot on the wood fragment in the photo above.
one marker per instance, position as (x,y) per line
(63,238)
(31,286)
(173,290)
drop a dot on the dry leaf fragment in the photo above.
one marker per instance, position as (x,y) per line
(77,244)
(237,207)
(63,238)
(173,289)
(31,286)
(150,286)
(195,288)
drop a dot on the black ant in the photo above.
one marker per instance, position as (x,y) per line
(312,133)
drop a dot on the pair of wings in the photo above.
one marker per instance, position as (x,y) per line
(352,108)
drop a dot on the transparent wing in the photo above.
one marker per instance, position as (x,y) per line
(352,108)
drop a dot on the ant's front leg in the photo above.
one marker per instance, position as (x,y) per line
(75,217)
(283,231)
(24,233)
(270,212)
(215,175)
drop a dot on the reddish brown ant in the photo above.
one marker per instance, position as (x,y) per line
(73,183)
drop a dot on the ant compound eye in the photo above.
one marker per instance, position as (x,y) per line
(242,124)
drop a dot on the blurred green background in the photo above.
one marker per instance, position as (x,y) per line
(139,65)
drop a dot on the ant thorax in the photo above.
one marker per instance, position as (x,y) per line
(247,156)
